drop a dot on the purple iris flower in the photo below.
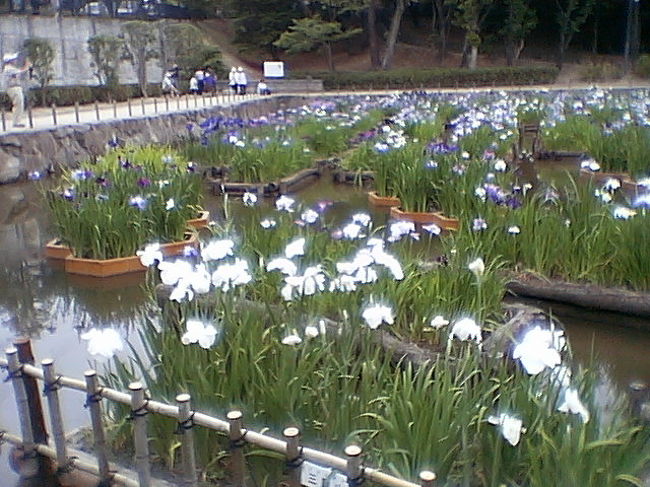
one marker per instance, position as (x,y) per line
(139,202)
(144,182)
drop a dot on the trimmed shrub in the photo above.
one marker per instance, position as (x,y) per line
(600,72)
(433,78)
(642,67)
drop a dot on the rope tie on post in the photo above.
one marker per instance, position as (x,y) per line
(296,462)
(356,482)
(185,425)
(53,386)
(15,374)
(93,398)
(239,442)
(140,412)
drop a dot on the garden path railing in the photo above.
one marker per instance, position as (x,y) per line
(305,466)
(54,116)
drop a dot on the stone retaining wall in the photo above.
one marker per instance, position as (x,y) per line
(66,146)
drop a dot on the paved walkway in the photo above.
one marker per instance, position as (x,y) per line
(47,118)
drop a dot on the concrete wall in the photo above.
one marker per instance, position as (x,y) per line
(66,146)
(68,36)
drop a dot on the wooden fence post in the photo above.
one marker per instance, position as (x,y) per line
(53,106)
(185,425)
(97,110)
(93,398)
(51,390)
(4,118)
(76,111)
(15,369)
(354,470)
(30,116)
(142,105)
(237,443)
(166,103)
(37,420)
(155,105)
(187,100)
(427,478)
(139,416)
(293,454)
(128,102)
(114,108)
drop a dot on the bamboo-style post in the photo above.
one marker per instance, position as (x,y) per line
(32,392)
(93,398)
(76,111)
(293,454)
(114,108)
(97,110)
(139,415)
(178,102)
(187,100)
(128,104)
(237,443)
(51,390)
(53,107)
(15,369)
(155,105)
(4,118)
(427,478)
(196,101)
(638,390)
(354,470)
(142,104)
(185,425)
(166,103)
(30,116)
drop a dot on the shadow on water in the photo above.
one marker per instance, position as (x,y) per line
(42,302)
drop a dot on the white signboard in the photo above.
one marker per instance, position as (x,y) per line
(273,69)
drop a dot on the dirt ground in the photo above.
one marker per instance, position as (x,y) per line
(221,32)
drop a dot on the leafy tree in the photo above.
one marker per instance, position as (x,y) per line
(41,54)
(470,15)
(311,33)
(258,23)
(139,40)
(520,20)
(105,53)
(571,15)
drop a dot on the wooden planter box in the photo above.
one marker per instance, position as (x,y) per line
(601,177)
(201,221)
(382,201)
(54,249)
(425,218)
(123,265)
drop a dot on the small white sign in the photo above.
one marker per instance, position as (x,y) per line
(273,69)
(312,475)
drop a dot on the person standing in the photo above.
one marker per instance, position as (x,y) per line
(194,85)
(14,81)
(200,77)
(232,80)
(242,81)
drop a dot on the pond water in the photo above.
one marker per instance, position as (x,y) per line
(53,308)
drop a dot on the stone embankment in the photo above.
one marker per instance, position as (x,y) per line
(51,149)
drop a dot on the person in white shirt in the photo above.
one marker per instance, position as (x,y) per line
(263,88)
(14,75)
(168,84)
(242,81)
(200,76)
(194,85)
(232,80)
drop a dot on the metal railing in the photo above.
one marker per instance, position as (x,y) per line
(24,376)
(53,116)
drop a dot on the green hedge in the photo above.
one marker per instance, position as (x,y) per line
(433,78)
(68,95)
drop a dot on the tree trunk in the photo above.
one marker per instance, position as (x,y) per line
(392,34)
(473,57)
(328,55)
(142,72)
(373,39)
(442,27)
